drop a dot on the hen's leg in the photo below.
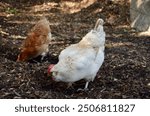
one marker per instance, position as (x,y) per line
(43,55)
(85,88)
(86,85)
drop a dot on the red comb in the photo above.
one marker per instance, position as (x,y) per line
(50,68)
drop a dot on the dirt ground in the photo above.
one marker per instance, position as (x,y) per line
(126,69)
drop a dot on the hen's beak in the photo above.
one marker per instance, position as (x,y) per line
(50,74)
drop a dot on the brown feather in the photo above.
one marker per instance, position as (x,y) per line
(36,42)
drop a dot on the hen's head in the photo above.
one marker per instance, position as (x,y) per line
(55,75)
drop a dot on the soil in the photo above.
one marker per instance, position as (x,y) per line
(124,74)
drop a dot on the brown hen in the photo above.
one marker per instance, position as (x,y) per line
(37,41)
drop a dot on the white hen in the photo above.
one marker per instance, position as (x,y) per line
(81,60)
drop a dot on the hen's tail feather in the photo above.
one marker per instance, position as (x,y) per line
(98,23)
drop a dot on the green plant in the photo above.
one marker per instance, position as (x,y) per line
(11,10)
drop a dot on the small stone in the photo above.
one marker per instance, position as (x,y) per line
(148,84)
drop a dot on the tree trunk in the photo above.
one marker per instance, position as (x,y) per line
(140,14)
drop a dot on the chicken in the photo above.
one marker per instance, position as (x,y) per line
(37,41)
(82,60)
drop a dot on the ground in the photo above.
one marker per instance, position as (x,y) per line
(125,72)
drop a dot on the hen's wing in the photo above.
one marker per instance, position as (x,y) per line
(68,51)
(77,58)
